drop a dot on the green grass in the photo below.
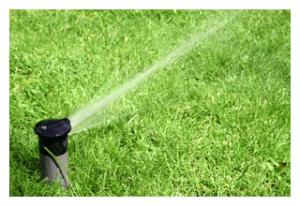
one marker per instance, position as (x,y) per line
(214,123)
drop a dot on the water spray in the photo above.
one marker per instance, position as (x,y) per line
(180,50)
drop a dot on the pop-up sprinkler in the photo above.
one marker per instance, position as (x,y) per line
(53,142)
(53,133)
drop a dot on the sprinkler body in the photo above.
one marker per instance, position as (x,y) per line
(53,145)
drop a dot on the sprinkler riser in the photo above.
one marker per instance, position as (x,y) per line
(50,172)
(53,146)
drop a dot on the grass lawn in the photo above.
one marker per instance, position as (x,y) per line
(214,123)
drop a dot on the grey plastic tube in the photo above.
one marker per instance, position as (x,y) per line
(55,169)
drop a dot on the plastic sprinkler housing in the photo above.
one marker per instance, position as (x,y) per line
(53,147)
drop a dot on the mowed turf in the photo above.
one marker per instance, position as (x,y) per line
(214,123)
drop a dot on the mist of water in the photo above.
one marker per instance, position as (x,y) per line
(79,117)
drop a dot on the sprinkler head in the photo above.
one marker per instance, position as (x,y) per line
(53,135)
(51,128)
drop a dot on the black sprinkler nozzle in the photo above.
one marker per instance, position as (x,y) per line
(53,134)
(53,128)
